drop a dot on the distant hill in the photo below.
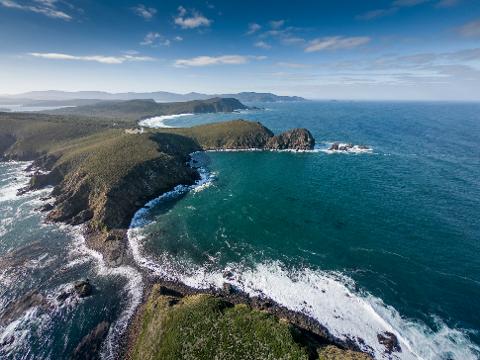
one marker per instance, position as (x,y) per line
(139,109)
(64,98)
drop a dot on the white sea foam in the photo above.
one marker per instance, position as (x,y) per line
(18,333)
(355,149)
(328,297)
(159,121)
(18,179)
(134,289)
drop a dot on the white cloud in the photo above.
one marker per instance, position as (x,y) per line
(253,28)
(336,42)
(277,24)
(44,7)
(293,65)
(216,60)
(144,12)
(471,29)
(374,14)
(262,45)
(96,58)
(191,20)
(155,39)
(178,38)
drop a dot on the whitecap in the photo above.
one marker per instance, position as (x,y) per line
(157,122)
(355,149)
(134,289)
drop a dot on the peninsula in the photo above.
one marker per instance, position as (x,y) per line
(103,169)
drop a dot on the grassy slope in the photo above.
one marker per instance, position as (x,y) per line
(36,134)
(206,327)
(235,134)
(102,174)
(132,110)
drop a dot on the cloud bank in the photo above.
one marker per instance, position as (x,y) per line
(216,60)
(95,58)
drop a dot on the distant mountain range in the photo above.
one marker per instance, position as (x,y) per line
(65,98)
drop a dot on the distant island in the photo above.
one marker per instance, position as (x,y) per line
(76,98)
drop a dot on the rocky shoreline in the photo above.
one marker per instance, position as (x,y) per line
(311,332)
(106,211)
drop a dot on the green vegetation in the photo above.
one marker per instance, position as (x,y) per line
(102,173)
(235,134)
(36,134)
(331,352)
(207,327)
(133,110)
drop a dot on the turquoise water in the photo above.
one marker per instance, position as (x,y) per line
(398,228)
(365,243)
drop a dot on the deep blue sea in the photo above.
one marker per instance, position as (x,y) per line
(385,240)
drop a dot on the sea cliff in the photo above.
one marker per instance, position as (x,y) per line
(102,174)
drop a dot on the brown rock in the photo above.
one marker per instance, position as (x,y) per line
(390,342)
(296,139)
(89,347)
(83,288)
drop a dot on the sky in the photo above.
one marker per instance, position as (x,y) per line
(342,49)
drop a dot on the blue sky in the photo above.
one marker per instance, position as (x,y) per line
(343,49)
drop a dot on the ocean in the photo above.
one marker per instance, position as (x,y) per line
(366,241)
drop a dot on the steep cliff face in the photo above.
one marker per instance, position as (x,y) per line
(242,134)
(296,139)
(236,134)
(103,175)
(103,184)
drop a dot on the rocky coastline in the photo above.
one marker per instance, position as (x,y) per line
(106,209)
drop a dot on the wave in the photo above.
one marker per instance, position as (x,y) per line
(17,336)
(17,178)
(345,148)
(134,289)
(330,297)
(159,121)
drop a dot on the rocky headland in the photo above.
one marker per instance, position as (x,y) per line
(101,175)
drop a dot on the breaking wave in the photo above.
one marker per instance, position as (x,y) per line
(330,297)
(157,122)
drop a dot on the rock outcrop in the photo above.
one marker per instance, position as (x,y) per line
(31,299)
(390,341)
(347,147)
(296,139)
(89,347)
(102,175)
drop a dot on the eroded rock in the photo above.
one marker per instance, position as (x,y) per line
(18,307)
(89,347)
(83,288)
(390,341)
(296,139)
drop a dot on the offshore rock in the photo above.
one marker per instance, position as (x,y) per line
(390,342)
(18,307)
(295,139)
(83,288)
(89,347)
